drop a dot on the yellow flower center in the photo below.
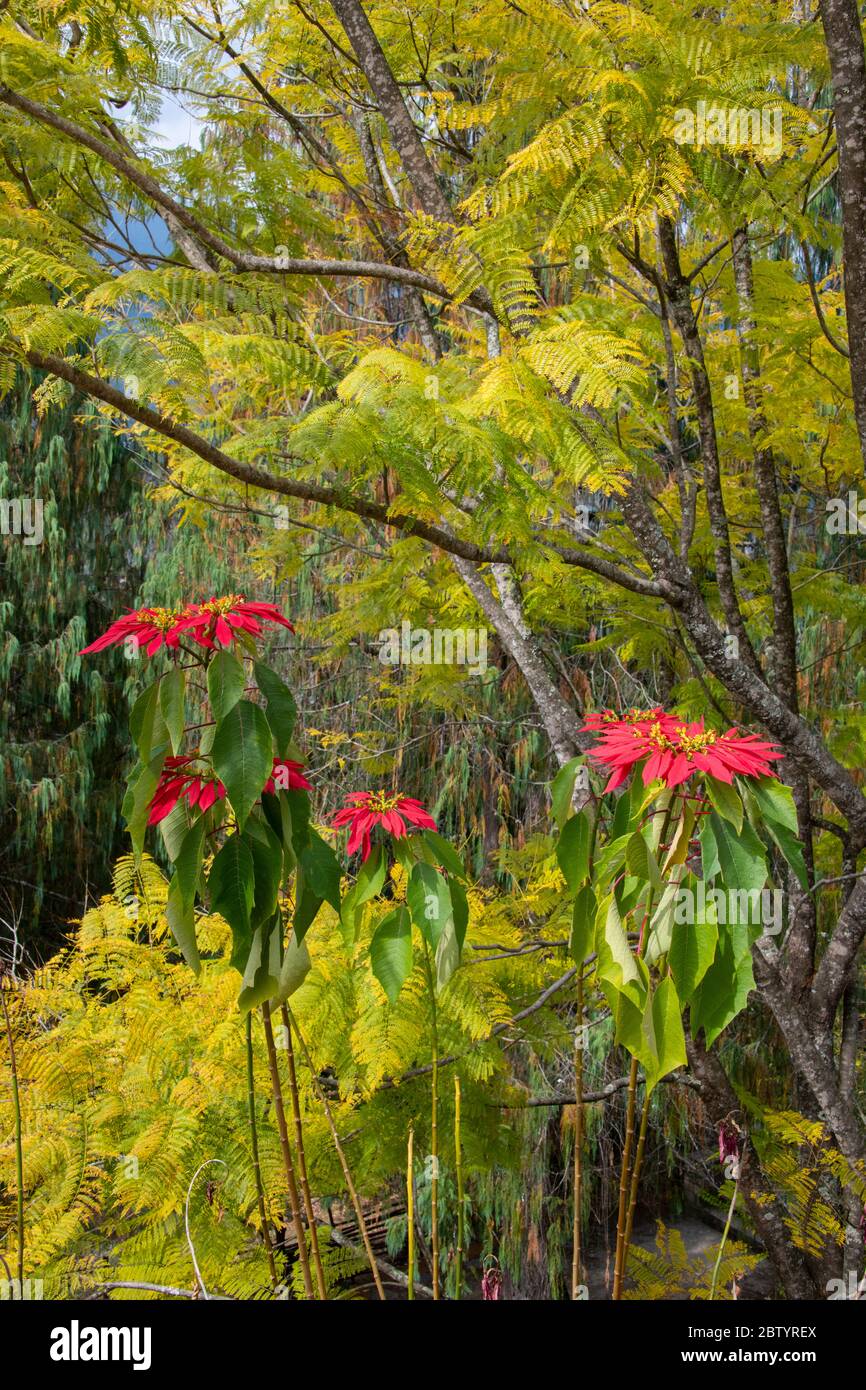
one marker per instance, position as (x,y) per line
(695,743)
(218,606)
(383,801)
(160,618)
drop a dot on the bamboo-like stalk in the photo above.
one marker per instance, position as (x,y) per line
(302,1158)
(257,1168)
(410,1209)
(285,1148)
(458,1160)
(578,1141)
(19,1142)
(434,1126)
(338,1147)
(635,1178)
(625,1174)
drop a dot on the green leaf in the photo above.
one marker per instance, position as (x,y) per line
(367,885)
(172,689)
(443,853)
(616,960)
(294,970)
(180,915)
(243,756)
(147,725)
(322,869)
(741,855)
(668,1032)
(710,865)
(724,990)
(725,801)
(562,790)
(225,683)
(267,856)
(391,952)
(230,887)
(640,860)
(582,941)
(140,788)
(282,711)
(429,902)
(691,953)
(776,801)
(261,970)
(173,828)
(459,910)
(187,865)
(572,851)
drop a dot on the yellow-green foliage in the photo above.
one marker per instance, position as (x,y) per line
(133,1074)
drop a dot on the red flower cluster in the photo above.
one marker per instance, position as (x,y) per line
(364,810)
(203,790)
(211,624)
(199,790)
(675,750)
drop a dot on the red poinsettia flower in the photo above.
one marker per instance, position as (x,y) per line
(219,619)
(364,810)
(200,790)
(596,721)
(287,777)
(674,751)
(151,627)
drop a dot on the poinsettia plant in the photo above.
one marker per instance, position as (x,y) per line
(668,870)
(230,798)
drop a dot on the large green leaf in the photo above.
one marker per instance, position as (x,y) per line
(317,881)
(367,885)
(670,1042)
(429,902)
(616,961)
(691,953)
(147,725)
(282,711)
(391,952)
(172,690)
(724,990)
(243,756)
(726,801)
(225,683)
(294,970)
(741,854)
(140,788)
(562,789)
(261,970)
(230,886)
(572,851)
(582,941)
(459,910)
(180,915)
(267,858)
(443,853)
(187,865)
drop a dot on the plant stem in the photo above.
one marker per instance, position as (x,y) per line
(624,1182)
(578,1140)
(726,1232)
(635,1176)
(434,1126)
(352,1190)
(257,1169)
(458,1159)
(285,1148)
(19,1145)
(410,1209)
(302,1158)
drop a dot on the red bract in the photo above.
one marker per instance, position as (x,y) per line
(210,624)
(151,628)
(675,751)
(364,810)
(200,790)
(287,777)
(596,721)
(217,621)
